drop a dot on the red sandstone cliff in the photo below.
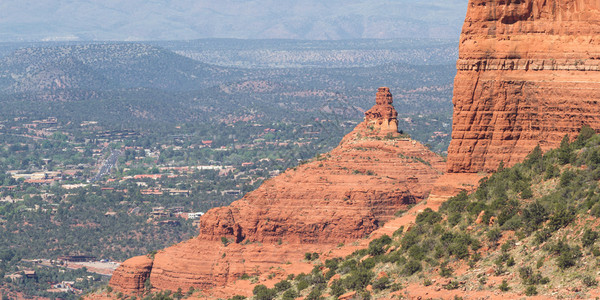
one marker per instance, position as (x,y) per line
(338,197)
(528,73)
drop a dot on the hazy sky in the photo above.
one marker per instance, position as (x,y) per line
(248,19)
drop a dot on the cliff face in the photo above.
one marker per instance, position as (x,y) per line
(130,278)
(340,196)
(528,73)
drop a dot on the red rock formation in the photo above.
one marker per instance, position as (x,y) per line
(382,118)
(338,197)
(528,73)
(132,274)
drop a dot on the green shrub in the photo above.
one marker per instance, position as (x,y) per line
(428,216)
(567,256)
(283,285)
(368,263)
(585,133)
(540,263)
(589,281)
(445,271)
(535,157)
(494,235)
(394,287)
(417,252)
(301,285)
(506,214)
(527,193)
(412,267)
(589,237)
(542,235)
(456,204)
(398,232)
(381,283)
(475,245)
(529,277)
(348,266)
(567,259)
(514,223)
(376,247)
(315,294)
(409,239)
(329,274)
(460,249)
(392,257)
(225,241)
(290,294)
(358,279)
(261,292)
(507,246)
(332,264)
(534,215)
(504,286)
(595,211)
(452,285)
(364,295)
(446,238)
(317,278)
(531,291)
(565,152)
(454,218)
(337,288)
(566,178)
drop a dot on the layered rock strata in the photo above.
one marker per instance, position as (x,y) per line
(131,277)
(528,73)
(338,197)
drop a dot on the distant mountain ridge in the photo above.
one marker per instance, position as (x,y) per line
(137,84)
(185,19)
(104,67)
(282,53)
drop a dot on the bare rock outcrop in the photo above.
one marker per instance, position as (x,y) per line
(528,73)
(382,118)
(338,197)
(132,274)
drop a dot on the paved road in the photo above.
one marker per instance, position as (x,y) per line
(107,166)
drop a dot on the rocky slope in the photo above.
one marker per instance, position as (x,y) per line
(527,232)
(528,73)
(338,197)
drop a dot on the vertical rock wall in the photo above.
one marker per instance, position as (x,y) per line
(528,73)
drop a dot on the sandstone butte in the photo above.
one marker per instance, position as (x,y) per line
(528,73)
(338,197)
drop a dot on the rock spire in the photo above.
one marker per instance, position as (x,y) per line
(382,117)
